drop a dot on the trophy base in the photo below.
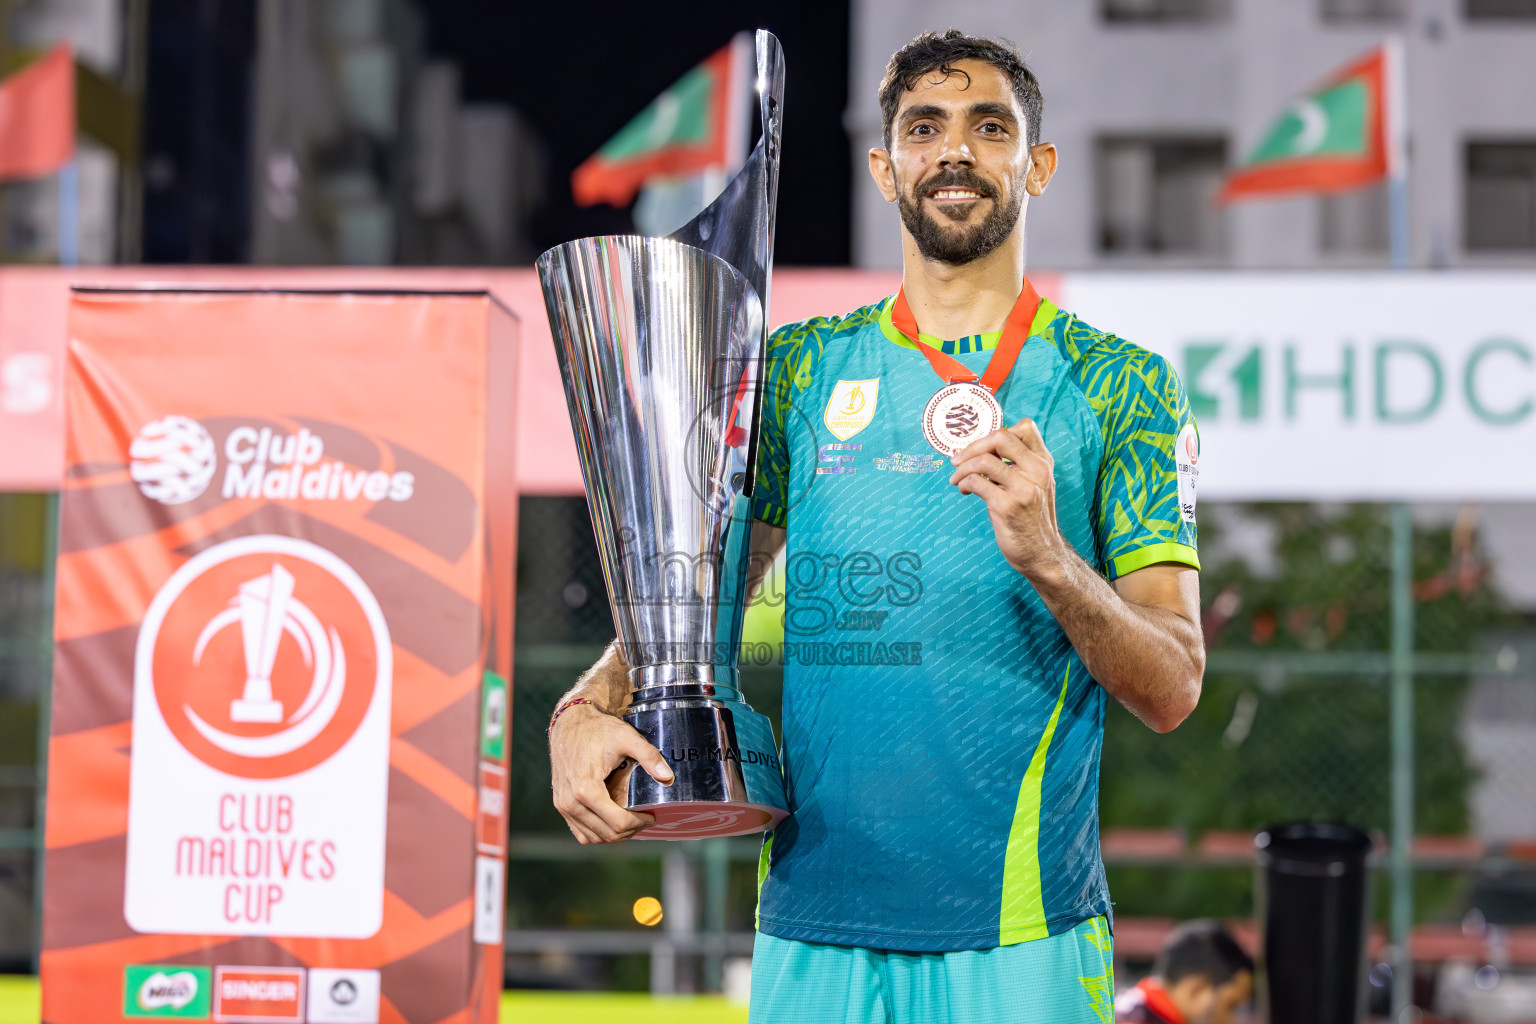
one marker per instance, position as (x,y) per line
(727,780)
(706,820)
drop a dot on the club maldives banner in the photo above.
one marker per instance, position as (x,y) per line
(278,764)
(1335,386)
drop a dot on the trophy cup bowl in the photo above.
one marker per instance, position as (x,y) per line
(658,344)
(661,343)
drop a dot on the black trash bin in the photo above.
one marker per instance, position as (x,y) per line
(1314,915)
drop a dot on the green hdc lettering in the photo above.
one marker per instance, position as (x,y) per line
(1225,380)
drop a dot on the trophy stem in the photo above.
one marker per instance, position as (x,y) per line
(656,684)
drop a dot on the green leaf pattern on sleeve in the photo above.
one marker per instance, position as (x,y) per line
(793,353)
(1141,407)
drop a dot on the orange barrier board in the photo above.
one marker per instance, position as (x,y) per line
(283,648)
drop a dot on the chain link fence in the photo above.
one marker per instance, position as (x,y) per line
(1293,722)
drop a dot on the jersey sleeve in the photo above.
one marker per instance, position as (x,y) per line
(770,502)
(1146,499)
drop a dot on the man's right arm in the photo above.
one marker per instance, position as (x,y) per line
(589,742)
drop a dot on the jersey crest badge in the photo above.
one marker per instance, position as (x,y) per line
(851,407)
(1186,461)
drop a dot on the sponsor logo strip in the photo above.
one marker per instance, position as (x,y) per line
(343,996)
(491,815)
(258,995)
(166,990)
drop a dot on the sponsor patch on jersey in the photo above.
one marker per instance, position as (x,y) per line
(836,462)
(900,462)
(851,407)
(1186,459)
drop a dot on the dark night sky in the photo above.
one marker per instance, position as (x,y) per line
(578,70)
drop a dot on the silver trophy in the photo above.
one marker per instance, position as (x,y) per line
(661,343)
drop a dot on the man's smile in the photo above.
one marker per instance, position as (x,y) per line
(955,195)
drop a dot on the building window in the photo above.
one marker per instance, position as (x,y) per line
(1358,221)
(1501,196)
(1157,195)
(1163,10)
(1364,10)
(1497,10)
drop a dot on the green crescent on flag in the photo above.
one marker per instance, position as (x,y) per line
(1343,134)
(697,123)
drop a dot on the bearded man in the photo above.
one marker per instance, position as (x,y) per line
(1005,483)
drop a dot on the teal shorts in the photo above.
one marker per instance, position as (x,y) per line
(1063,979)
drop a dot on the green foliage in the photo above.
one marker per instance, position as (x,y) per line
(1265,747)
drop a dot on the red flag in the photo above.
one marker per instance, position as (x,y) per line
(1347,132)
(693,125)
(37,116)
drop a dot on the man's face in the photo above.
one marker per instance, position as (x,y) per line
(960,165)
(1203,1003)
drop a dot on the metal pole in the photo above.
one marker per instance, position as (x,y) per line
(717,873)
(680,900)
(1401,657)
(69,214)
(44,719)
(1397,202)
(1396,104)
(1402,761)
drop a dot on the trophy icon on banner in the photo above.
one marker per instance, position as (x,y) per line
(661,344)
(263,604)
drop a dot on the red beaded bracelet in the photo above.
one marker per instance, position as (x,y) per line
(566,706)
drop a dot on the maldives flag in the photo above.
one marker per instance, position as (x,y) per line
(1345,133)
(697,124)
(37,117)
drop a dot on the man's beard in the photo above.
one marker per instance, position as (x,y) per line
(957,247)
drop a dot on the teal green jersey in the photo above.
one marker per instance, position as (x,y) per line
(941,737)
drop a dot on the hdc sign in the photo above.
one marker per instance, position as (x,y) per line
(1341,387)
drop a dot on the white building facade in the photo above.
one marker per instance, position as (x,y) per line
(1150,101)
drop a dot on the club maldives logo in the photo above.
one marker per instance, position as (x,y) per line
(264,654)
(174,459)
(1186,461)
(152,990)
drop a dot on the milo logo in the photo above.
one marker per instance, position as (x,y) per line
(160,990)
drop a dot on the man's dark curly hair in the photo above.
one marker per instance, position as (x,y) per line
(936,52)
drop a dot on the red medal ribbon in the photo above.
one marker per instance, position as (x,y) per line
(952,370)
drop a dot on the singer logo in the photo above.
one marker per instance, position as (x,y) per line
(264,654)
